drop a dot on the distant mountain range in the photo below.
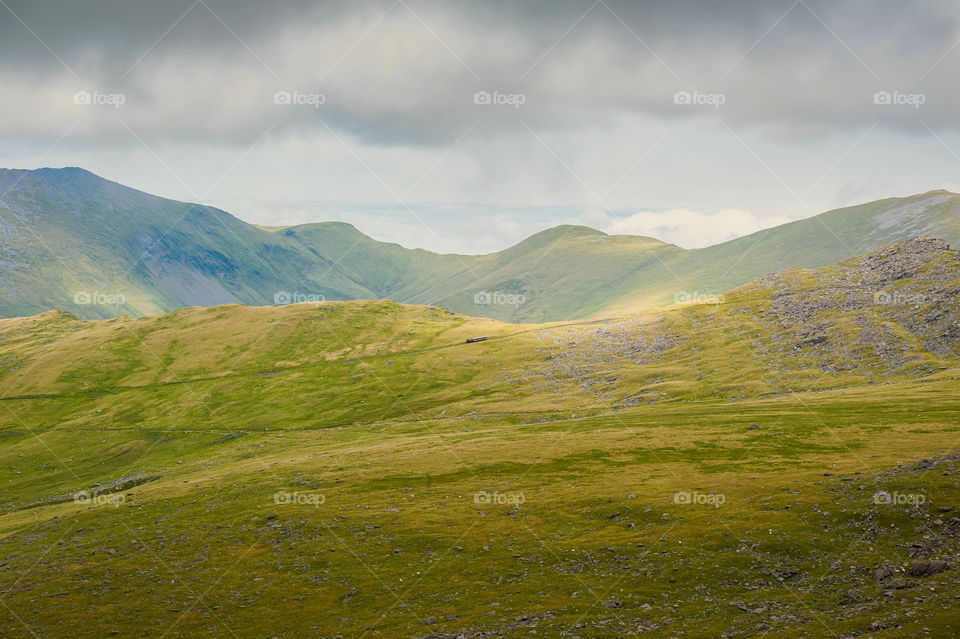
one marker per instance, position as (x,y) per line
(74,241)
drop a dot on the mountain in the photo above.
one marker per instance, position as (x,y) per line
(68,236)
(783,460)
(808,243)
(74,241)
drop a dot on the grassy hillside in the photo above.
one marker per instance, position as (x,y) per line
(703,471)
(71,240)
(565,272)
(388,270)
(809,243)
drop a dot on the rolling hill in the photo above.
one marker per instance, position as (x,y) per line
(73,241)
(357,469)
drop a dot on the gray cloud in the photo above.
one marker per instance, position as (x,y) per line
(409,76)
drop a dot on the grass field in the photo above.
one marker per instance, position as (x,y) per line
(356,469)
(598,544)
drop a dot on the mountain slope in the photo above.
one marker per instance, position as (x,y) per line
(356,468)
(68,235)
(389,271)
(71,240)
(564,272)
(808,243)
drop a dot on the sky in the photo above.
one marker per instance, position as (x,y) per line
(467,126)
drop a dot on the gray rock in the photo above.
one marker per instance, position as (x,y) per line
(927,567)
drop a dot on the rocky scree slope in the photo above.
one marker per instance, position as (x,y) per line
(887,316)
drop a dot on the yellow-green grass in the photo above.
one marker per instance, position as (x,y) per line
(207,413)
(195,548)
(188,424)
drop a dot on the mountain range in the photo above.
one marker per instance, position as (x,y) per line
(72,240)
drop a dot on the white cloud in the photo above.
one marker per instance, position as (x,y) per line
(683,227)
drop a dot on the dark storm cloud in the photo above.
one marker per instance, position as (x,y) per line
(395,72)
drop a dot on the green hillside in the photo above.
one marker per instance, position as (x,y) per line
(389,271)
(73,241)
(808,243)
(357,469)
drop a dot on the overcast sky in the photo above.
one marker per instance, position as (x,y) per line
(467,126)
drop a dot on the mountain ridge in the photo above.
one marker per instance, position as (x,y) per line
(68,235)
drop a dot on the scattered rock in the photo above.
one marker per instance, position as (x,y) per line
(884,572)
(927,567)
(899,583)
